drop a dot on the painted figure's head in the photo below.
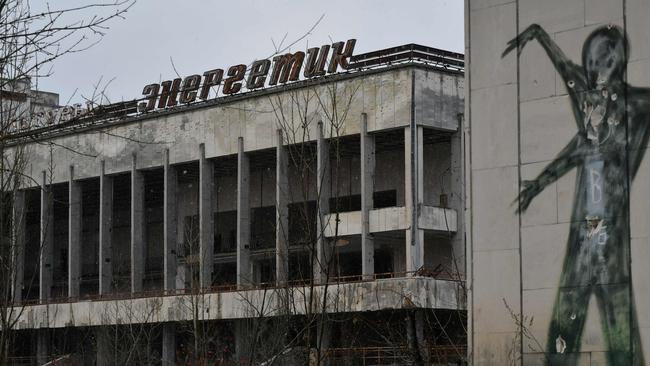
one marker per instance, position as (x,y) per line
(604,56)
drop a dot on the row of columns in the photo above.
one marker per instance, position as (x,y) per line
(414,235)
(413,196)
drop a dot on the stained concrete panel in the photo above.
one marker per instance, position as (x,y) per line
(385,102)
(639,206)
(495,224)
(542,249)
(603,11)
(491,28)
(438,99)
(537,308)
(498,282)
(496,348)
(494,127)
(552,15)
(640,251)
(536,73)
(480,4)
(638,28)
(637,73)
(547,126)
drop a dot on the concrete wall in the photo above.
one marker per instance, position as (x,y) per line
(583,282)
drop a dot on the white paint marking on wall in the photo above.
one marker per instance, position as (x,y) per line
(560,344)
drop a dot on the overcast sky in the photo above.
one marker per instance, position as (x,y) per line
(205,34)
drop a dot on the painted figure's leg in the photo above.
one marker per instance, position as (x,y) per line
(571,302)
(565,331)
(614,305)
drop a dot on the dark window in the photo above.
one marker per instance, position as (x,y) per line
(190,234)
(267,270)
(225,231)
(263,227)
(302,222)
(380,199)
(299,266)
(383,199)
(345,203)
(224,274)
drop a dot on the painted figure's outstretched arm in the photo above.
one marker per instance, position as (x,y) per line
(566,160)
(638,111)
(569,71)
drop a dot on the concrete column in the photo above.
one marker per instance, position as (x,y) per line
(206,218)
(170,224)
(415,334)
(367,204)
(105,355)
(42,346)
(137,228)
(456,198)
(74,235)
(242,342)
(244,266)
(18,246)
(105,232)
(282,212)
(323,250)
(169,345)
(413,188)
(47,241)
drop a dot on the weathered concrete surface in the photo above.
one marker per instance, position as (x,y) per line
(384,97)
(398,293)
(438,99)
(392,218)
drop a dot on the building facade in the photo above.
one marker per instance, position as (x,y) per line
(558,234)
(326,214)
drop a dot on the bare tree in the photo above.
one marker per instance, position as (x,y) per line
(32,41)
(134,333)
(291,320)
(304,310)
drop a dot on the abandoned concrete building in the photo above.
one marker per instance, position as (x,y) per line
(325,214)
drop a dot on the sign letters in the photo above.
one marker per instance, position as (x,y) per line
(280,70)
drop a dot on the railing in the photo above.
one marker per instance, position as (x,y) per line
(52,360)
(333,280)
(375,356)
(410,52)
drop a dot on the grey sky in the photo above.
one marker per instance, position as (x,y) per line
(200,35)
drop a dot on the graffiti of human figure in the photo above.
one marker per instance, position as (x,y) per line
(612,120)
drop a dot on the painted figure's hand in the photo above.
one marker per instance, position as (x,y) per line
(524,37)
(531,189)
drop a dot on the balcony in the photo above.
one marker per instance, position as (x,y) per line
(435,219)
(229,303)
